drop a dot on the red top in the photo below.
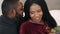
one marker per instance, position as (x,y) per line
(33,28)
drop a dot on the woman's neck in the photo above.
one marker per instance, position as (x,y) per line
(41,22)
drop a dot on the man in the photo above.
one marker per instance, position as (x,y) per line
(12,12)
(19,16)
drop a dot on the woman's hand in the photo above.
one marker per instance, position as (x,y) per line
(52,33)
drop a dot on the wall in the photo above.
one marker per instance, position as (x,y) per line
(54,8)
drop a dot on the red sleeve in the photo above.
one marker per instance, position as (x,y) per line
(24,28)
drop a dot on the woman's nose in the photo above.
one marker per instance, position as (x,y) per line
(36,15)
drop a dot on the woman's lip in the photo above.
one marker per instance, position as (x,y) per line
(37,18)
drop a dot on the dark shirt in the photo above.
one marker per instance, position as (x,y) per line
(33,28)
(19,21)
(7,26)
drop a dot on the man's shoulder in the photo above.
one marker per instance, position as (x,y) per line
(1,19)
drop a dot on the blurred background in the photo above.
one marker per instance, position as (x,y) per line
(53,6)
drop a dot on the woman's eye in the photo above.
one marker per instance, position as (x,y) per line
(39,11)
(31,13)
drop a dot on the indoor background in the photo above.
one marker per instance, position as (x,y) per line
(53,6)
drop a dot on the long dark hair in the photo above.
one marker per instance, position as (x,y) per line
(46,15)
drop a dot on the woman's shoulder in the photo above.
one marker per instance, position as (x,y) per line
(25,24)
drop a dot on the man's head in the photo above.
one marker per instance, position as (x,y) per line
(19,10)
(11,8)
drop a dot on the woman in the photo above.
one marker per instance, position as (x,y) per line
(38,18)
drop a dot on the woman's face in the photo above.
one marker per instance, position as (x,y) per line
(36,13)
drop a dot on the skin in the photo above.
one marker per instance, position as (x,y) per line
(19,9)
(52,33)
(11,14)
(36,13)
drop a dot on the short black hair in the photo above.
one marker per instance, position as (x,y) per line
(46,15)
(7,5)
